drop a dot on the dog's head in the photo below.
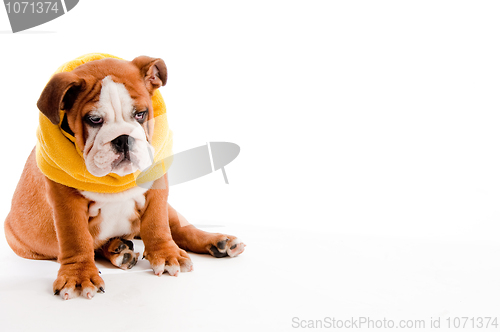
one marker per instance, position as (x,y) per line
(108,108)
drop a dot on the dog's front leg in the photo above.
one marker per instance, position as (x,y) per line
(78,272)
(159,248)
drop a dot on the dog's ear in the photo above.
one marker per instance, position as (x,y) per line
(59,94)
(153,70)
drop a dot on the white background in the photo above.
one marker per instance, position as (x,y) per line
(373,120)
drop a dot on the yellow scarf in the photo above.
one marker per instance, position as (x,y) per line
(61,161)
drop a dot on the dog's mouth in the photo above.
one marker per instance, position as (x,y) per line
(124,160)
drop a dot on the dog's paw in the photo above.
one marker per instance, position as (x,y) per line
(226,245)
(120,253)
(171,259)
(78,278)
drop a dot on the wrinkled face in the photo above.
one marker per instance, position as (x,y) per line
(108,108)
(116,140)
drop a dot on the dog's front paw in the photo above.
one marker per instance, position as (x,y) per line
(78,278)
(169,259)
(225,245)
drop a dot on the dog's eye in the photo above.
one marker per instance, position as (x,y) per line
(94,119)
(140,116)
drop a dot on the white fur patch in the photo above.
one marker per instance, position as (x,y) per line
(89,292)
(115,210)
(173,270)
(240,247)
(68,293)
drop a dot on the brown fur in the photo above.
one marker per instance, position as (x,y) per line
(49,220)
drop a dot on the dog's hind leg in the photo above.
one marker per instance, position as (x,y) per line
(120,252)
(193,239)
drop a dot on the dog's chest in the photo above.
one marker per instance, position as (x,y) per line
(114,215)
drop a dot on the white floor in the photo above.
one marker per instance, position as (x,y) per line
(284,279)
(353,117)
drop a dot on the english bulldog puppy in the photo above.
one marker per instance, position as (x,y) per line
(107,107)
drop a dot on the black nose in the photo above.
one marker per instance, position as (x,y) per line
(123,143)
